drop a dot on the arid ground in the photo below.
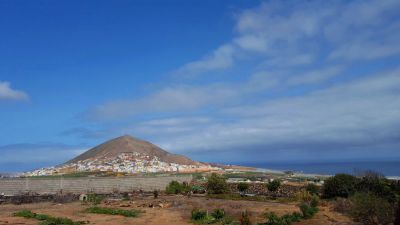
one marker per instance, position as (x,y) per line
(171,210)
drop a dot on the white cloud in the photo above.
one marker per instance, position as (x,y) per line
(170,99)
(314,76)
(365,50)
(359,113)
(286,79)
(253,43)
(221,58)
(7,93)
(346,117)
(304,87)
(289,60)
(291,33)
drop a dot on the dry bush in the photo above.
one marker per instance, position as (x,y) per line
(303,196)
(342,205)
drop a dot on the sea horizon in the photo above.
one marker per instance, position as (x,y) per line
(385,167)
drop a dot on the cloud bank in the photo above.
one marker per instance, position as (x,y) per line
(310,82)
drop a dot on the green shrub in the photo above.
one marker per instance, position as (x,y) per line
(287,219)
(307,211)
(198,189)
(273,185)
(372,210)
(243,187)
(272,219)
(218,214)
(174,187)
(25,213)
(340,185)
(46,219)
(294,217)
(94,199)
(111,211)
(312,189)
(227,221)
(216,184)
(198,214)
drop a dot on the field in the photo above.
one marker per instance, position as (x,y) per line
(171,210)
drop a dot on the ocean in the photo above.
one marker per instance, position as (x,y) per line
(388,168)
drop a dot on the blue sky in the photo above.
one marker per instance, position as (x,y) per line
(222,81)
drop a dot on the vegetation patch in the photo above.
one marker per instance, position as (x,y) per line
(368,199)
(111,211)
(273,185)
(174,187)
(216,184)
(217,217)
(308,210)
(46,219)
(238,197)
(313,189)
(287,219)
(94,199)
(243,187)
(368,208)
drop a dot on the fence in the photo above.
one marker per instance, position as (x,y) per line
(13,186)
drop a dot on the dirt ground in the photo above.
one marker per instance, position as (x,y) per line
(166,210)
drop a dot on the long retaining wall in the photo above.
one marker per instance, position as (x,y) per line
(14,186)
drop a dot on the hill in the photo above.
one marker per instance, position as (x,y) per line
(130,155)
(129,144)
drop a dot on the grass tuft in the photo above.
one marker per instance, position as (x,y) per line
(46,219)
(111,211)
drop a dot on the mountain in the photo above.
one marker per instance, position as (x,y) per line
(128,144)
(130,155)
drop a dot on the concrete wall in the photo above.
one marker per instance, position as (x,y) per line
(14,186)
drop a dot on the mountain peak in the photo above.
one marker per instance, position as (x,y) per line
(127,137)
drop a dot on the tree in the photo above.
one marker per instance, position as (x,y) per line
(216,184)
(340,185)
(273,185)
(243,187)
(174,187)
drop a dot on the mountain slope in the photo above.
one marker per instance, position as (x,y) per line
(128,144)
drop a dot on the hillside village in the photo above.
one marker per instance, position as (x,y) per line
(130,162)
